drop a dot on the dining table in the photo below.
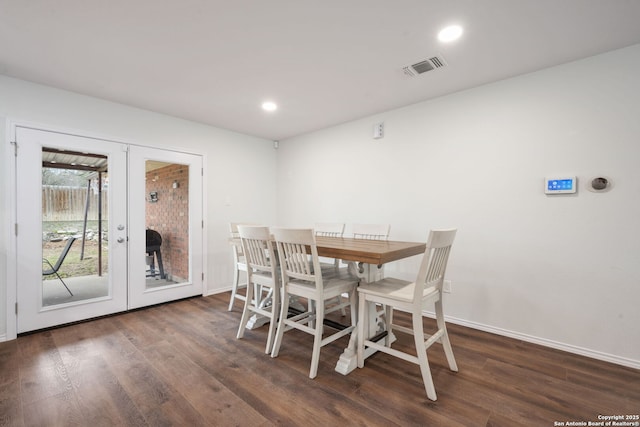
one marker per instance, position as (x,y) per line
(365,259)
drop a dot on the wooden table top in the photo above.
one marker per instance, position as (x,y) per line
(375,252)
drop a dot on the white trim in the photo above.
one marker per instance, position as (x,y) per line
(93,135)
(218,291)
(10,245)
(205,226)
(594,354)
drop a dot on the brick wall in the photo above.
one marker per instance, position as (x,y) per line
(169,216)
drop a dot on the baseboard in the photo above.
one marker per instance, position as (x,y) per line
(631,363)
(3,337)
(216,291)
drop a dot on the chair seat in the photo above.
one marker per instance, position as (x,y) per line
(332,287)
(397,289)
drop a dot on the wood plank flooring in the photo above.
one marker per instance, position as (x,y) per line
(180,364)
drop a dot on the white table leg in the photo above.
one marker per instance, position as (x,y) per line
(348,360)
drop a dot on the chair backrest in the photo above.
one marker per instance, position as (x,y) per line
(371,231)
(327,229)
(233,227)
(294,255)
(237,248)
(61,258)
(258,248)
(434,261)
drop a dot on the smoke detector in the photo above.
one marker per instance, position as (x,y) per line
(422,67)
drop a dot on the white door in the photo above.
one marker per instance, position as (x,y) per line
(166,225)
(85,208)
(70,194)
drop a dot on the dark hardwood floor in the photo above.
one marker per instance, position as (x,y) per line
(180,364)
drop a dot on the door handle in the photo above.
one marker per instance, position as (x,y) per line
(120,239)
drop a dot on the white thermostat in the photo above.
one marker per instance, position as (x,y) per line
(560,185)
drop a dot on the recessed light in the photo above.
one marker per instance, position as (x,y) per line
(269,106)
(450,33)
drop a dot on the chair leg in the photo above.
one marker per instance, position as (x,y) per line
(446,344)
(311,307)
(275,305)
(152,264)
(423,361)
(362,320)
(281,324)
(388,318)
(317,340)
(236,286)
(65,285)
(245,312)
(342,310)
(160,265)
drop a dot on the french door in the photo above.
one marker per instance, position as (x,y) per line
(85,208)
(165,240)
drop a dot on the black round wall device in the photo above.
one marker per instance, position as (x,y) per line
(599,183)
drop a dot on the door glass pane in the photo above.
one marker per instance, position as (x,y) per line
(167,224)
(74,226)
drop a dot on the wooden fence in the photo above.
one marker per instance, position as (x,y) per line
(69,203)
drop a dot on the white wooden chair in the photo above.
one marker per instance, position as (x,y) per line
(412,297)
(262,273)
(332,268)
(300,279)
(239,264)
(371,231)
(328,229)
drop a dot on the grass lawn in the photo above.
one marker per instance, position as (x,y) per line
(73,265)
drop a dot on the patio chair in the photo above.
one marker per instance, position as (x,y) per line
(53,269)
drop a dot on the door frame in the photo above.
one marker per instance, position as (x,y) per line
(11,289)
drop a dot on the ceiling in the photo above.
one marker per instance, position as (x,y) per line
(323,62)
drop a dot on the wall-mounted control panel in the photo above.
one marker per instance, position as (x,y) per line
(378,131)
(560,185)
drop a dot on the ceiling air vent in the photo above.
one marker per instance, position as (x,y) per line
(424,66)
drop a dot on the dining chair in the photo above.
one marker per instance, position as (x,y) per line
(302,277)
(412,297)
(371,231)
(239,264)
(262,273)
(329,229)
(331,267)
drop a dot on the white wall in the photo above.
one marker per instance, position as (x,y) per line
(560,270)
(223,151)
